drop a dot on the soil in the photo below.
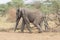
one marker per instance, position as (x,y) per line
(29,36)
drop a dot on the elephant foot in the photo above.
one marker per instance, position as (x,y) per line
(40,32)
(14,30)
(30,32)
(22,31)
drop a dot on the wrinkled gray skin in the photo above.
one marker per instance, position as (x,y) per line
(30,16)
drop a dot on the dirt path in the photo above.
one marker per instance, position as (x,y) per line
(28,36)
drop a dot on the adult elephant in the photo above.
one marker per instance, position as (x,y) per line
(30,16)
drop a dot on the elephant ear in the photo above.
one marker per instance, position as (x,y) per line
(17,12)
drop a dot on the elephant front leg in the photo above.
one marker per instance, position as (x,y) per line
(39,28)
(28,27)
(17,21)
(27,22)
(36,23)
(22,26)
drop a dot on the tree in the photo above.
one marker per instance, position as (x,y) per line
(36,4)
(17,3)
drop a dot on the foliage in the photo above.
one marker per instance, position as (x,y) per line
(5,7)
(50,6)
(17,3)
(45,7)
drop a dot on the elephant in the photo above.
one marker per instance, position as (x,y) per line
(30,16)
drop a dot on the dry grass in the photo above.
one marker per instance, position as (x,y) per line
(5,25)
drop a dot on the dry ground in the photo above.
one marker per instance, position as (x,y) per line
(29,36)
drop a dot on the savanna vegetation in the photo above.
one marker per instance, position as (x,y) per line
(50,8)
